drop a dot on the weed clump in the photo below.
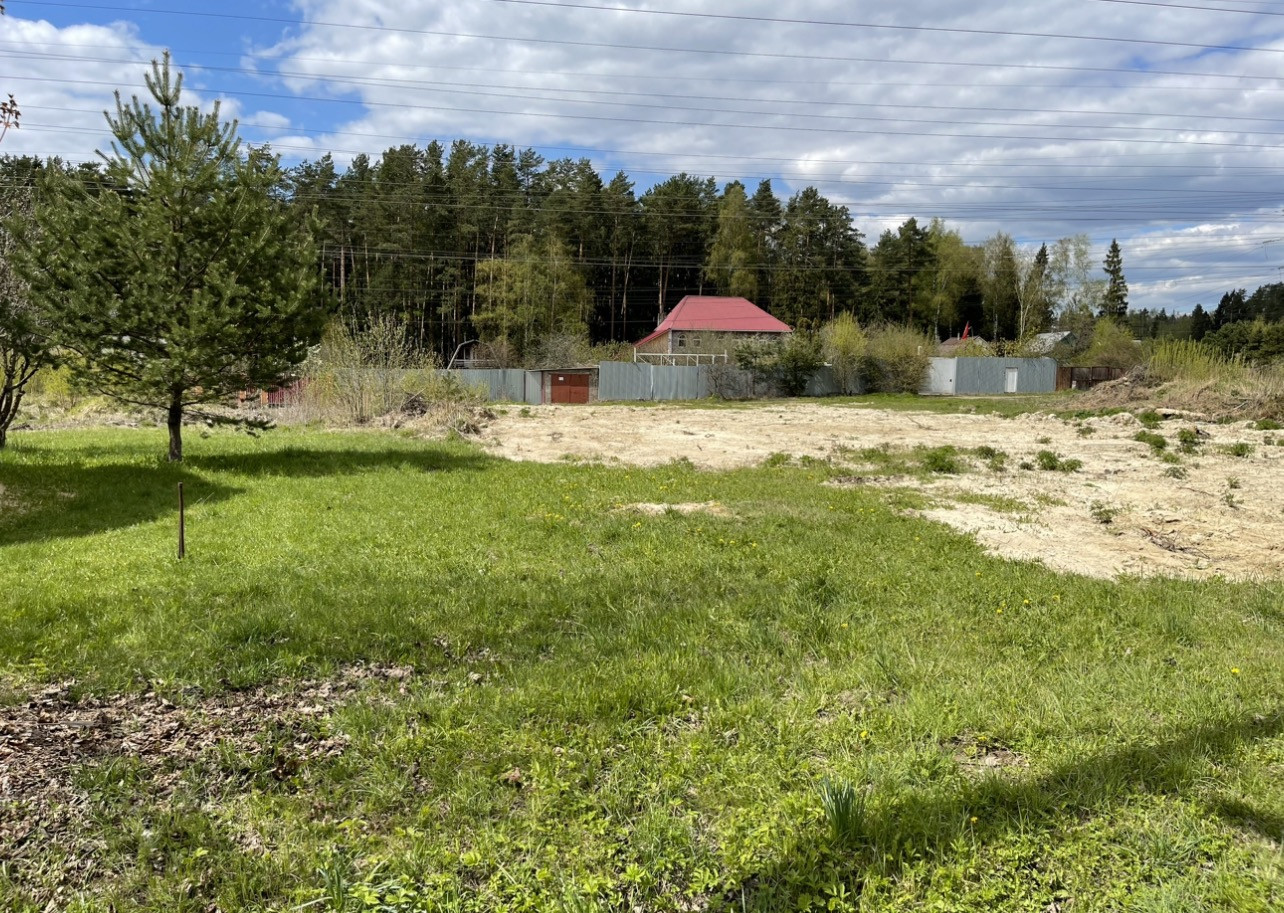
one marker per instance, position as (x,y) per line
(943,460)
(1103,513)
(846,810)
(1050,461)
(1156,442)
(995,458)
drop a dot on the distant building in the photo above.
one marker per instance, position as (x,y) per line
(706,325)
(959,345)
(1046,342)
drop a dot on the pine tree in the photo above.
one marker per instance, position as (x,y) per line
(1114,303)
(182,277)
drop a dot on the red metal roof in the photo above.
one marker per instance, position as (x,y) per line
(724,315)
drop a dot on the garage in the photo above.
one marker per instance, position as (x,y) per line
(570,385)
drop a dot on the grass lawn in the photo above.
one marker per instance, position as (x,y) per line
(797,700)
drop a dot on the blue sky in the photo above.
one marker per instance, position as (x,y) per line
(1107,117)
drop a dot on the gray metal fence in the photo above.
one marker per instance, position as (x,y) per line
(638,381)
(633,381)
(500,383)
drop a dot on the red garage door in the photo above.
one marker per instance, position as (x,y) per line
(570,388)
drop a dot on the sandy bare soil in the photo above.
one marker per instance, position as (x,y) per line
(1225,518)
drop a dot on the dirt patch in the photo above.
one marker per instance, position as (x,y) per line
(978,755)
(1125,512)
(701,507)
(50,740)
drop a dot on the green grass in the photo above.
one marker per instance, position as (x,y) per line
(808,701)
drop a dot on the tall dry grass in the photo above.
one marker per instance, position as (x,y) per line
(1188,375)
(355,377)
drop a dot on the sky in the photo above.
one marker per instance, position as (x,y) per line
(1156,123)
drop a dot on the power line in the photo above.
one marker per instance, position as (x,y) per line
(721,125)
(1188,6)
(832,23)
(776,80)
(631,105)
(720,52)
(476,89)
(726,17)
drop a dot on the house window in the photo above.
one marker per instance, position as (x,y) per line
(695,341)
(682,341)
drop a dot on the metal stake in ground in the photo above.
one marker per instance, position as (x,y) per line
(182,523)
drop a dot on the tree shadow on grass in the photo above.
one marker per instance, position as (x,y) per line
(69,495)
(69,499)
(915,824)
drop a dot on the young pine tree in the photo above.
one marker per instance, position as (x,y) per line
(1114,304)
(182,277)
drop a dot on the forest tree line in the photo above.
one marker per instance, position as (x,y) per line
(497,243)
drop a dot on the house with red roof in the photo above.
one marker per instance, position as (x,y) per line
(708,325)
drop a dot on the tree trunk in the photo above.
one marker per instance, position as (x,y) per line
(175,423)
(4,434)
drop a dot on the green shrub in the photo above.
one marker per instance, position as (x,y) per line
(844,344)
(789,363)
(897,359)
(1113,346)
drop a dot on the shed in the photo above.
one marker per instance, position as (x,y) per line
(982,376)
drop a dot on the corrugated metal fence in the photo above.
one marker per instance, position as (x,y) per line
(634,381)
(500,383)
